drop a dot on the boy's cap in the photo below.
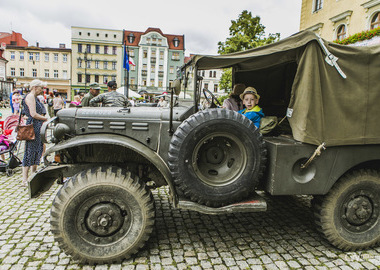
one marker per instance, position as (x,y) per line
(249,90)
(112,84)
(95,86)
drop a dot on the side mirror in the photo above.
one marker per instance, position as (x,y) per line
(176,86)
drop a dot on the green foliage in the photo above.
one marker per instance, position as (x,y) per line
(226,80)
(246,33)
(359,36)
(222,98)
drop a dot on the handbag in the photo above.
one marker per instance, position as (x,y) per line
(24,132)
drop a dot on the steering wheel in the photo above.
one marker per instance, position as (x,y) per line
(210,97)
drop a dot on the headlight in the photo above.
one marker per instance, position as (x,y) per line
(46,129)
(60,130)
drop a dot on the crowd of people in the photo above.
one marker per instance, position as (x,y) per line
(242,99)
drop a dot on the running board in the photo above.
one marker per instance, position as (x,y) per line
(254,204)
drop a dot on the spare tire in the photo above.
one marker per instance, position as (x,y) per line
(216,157)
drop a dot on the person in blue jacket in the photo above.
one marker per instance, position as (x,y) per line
(252,111)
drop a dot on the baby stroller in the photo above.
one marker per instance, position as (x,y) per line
(13,161)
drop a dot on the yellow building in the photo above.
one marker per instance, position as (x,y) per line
(96,57)
(338,19)
(52,65)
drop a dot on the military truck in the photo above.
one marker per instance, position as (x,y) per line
(326,143)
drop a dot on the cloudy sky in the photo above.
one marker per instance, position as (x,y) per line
(203,22)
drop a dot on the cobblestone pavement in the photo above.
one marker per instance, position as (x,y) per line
(284,237)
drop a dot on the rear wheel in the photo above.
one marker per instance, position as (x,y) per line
(102,215)
(348,216)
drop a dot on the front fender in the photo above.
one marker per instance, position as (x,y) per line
(122,141)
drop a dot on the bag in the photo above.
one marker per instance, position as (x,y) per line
(50,102)
(25,132)
(267,124)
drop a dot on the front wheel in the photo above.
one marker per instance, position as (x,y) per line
(348,216)
(102,215)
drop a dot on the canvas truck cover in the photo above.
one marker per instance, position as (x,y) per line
(324,103)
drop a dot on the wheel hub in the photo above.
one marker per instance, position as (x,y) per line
(104,219)
(359,210)
(214,155)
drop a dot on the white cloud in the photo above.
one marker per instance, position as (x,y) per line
(203,22)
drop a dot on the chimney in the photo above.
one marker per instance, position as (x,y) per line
(37,44)
(62,46)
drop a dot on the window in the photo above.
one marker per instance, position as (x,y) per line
(97,78)
(214,74)
(97,48)
(79,63)
(46,73)
(215,88)
(114,50)
(131,53)
(46,57)
(37,54)
(88,78)
(105,49)
(13,55)
(56,57)
(145,54)
(31,56)
(21,55)
(154,53)
(375,22)
(105,79)
(132,67)
(64,74)
(175,56)
(113,78)
(152,69)
(144,67)
(55,73)
(65,58)
(34,72)
(79,78)
(151,82)
(88,63)
(114,65)
(105,65)
(88,48)
(341,34)
(22,73)
(133,80)
(161,68)
(171,70)
(210,75)
(161,55)
(13,72)
(206,85)
(80,48)
(97,64)
(160,83)
(144,82)
(318,4)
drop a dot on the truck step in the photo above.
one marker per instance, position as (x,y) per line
(255,203)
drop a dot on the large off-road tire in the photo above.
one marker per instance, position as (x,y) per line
(348,216)
(102,215)
(216,157)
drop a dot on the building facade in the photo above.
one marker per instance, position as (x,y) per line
(52,65)
(338,19)
(96,57)
(14,39)
(157,57)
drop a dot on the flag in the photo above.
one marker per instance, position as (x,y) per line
(131,62)
(126,59)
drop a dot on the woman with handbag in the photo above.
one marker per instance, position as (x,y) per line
(35,111)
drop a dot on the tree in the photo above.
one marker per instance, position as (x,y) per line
(245,33)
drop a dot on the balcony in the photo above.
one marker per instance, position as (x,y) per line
(160,74)
(153,60)
(144,72)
